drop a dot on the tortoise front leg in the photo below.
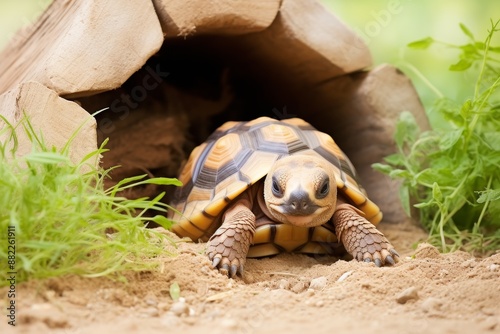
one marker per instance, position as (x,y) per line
(228,246)
(361,238)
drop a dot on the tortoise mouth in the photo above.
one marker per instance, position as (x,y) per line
(308,219)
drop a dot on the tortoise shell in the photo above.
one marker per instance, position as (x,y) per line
(239,154)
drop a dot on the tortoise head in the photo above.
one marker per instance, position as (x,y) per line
(301,190)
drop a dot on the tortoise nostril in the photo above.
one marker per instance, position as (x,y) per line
(300,205)
(299,201)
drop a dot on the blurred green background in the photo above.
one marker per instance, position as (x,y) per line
(387,26)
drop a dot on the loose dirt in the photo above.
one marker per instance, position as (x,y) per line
(426,292)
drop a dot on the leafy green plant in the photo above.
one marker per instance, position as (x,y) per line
(63,219)
(452,172)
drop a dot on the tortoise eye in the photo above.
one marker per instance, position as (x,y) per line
(324,189)
(277,191)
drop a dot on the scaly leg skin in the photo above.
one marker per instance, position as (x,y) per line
(361,238)
(228,246)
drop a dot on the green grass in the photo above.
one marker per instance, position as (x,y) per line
(65,221)
(452,172)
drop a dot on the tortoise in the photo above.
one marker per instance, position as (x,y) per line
(266,186)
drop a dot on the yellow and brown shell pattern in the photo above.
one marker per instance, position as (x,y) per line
(236,156)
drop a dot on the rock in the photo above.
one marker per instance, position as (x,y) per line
(319,303)
(284,284)
(493,267)
(344,276)
(229,323)
(170,321)
(318,283)
(443,273)
(407,294)
(471,263)
(426,251)
(162,306)
(150,312)
(151,300)
(431,304)
(299,287)
(179,309)
(46,313)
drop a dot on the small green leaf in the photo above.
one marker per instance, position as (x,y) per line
(426,177)
(462,65)
(164,181)
(400,173)
(395,159)
(382,168)
(495,49)
(162,221)
(449,139)
(489,195)
(469,49)
(424,204)
(466,109)
(480,45)
(46,158)
(421,44)
(492,138)
(436,193)
(404,195)
(175,291)
(466,31)
(406,129)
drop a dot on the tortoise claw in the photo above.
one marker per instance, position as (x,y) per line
(216,262)
(394,252)
(234,270)
(378,263)
(368,260)
(389,259)
(224,268)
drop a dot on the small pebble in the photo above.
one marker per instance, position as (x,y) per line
(150,312)
(299,287)
(489,311)
(151,301)
(468,264)
(443,273)
(229,323)
(50,294)
(162,306)
(311,292)
(489,324)
(493,267)
(345,275)
(426,251)
(284,284)
(407,294)
(220,296)
(170,321)
(179,308)
(318,283)
(431,304)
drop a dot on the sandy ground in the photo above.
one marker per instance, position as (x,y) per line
(426,292)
